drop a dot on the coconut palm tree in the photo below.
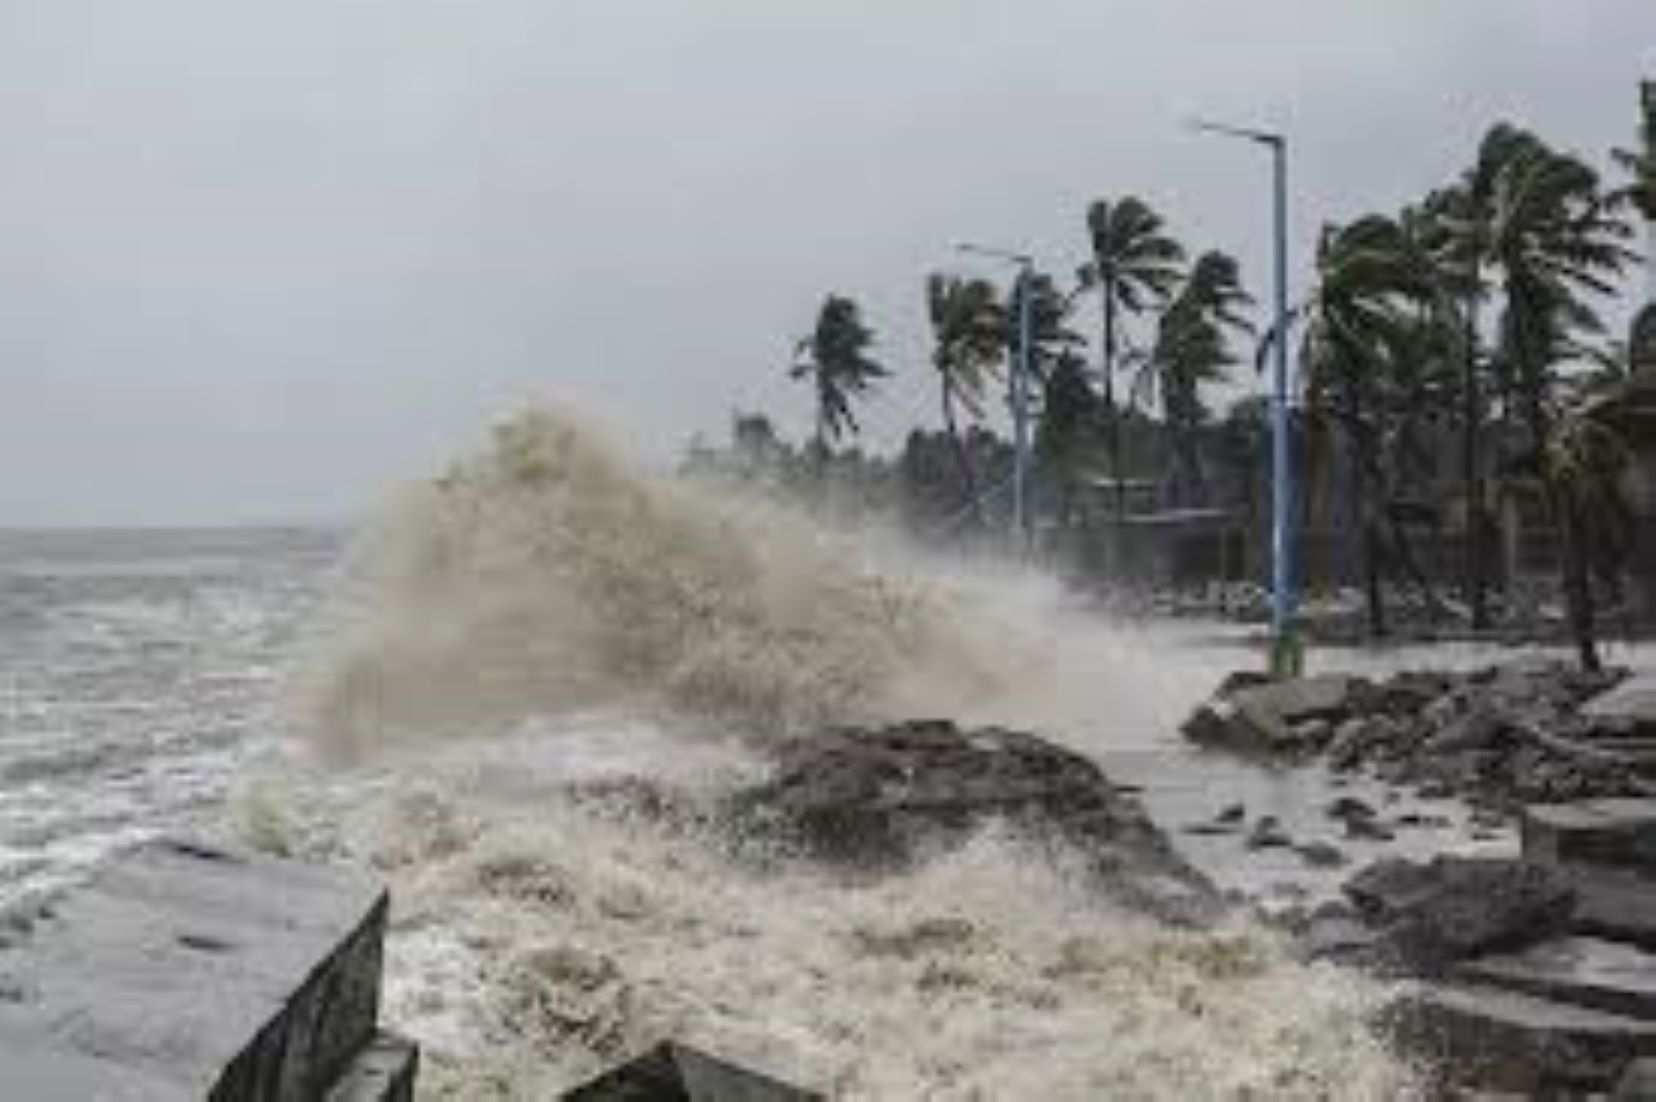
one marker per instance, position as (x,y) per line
(1193,349)
(835,360)
(1135,267)
(1069,411)
(1584,465)
(1360,325)
(1557,242)
(1640,164)
(968,324)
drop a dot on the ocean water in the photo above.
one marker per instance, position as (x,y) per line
(509,695)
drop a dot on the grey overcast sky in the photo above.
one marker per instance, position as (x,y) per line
(258,261)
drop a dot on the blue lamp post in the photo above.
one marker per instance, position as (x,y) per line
(1022,370)
(1286,658)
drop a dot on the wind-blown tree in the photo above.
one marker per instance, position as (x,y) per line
(1192,350)
(1584,465)
(1052,339)
(968,324)
(1558,243)
(1069,413)
(1135,267)
(835,359)
(1640,164)
(1361,325)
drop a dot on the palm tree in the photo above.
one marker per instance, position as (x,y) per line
(1557,242)
(835,359)
(1584,464)
(1135,266)
(1640,164)
(1192,349)
(1358,329)
(1069,409)
(968,326)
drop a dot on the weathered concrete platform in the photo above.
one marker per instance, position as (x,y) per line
(192,972)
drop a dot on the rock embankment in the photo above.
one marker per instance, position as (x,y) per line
(875,800)
(1536,975)
(1503,737)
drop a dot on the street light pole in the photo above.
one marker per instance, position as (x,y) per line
(1285,654)
(1022,370)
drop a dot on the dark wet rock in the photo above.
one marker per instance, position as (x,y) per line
(1614,833)
(1451,908)
(1506,735)
(1268,833)
(1274,719)
(1505,1041)
(674,1072)
(1333,932)
(1591,972)
(1323,855)
(881,800)
(1346,808)
(1368,830)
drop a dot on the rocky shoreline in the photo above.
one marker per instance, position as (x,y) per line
(1533,974)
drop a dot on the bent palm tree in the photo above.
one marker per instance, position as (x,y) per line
(968,326)
(835,360)
(1192,349)
(1135,266)
(1557,242)
(1640,164)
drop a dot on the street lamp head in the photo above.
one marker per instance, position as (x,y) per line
(971,249)
(1230,130)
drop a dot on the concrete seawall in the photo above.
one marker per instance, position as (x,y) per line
(185,971)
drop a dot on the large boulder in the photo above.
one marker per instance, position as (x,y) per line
(1432,915)
(882,799)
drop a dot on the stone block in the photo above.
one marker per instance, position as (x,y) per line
(185,971)
(383,1071)
(1615,833)
(1583,971)
(1506,1041)
(1631,704)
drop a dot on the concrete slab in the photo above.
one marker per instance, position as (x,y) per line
(1614,905)
(1582,971)
(384,1071)
(1631,704)
(187,971)
(1505,1041)
(1615,833)
(1638,1084)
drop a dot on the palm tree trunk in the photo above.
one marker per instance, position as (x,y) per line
(1578,586)
(1477,579)
(1110,410)
(962,459)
